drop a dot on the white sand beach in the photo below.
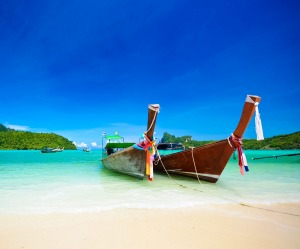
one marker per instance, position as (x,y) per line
(217,226)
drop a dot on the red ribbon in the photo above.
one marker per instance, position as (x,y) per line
(238,142)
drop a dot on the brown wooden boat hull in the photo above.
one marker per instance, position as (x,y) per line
(210,160)
(207,162)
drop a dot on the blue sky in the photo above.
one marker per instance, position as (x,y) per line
(78,68)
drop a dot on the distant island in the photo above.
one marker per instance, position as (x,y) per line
(281,142)
(11,139)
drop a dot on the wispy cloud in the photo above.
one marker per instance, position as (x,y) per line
(17,127)
(81,145)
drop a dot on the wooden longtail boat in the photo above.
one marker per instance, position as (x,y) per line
(128,158)
(208,161)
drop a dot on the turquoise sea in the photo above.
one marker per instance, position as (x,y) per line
(76,181)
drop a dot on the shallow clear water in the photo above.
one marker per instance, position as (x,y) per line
(76,181)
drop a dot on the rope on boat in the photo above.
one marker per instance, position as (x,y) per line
(155,114)
(159,159)
(230,143)
(237,142)
(147,145)
(195,165)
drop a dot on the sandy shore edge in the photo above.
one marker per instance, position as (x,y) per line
(217,226)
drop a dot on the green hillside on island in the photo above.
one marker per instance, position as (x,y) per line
(281,142)
(24,140)
(11,139)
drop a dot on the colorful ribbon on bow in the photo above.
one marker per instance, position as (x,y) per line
(241,155)
(148,146)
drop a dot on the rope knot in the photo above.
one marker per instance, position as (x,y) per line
(145,144)
(237,142)
(148,146)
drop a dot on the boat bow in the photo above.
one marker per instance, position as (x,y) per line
(207,162)
(132,161)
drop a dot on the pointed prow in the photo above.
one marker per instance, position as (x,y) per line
(251,104)
(153,110)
